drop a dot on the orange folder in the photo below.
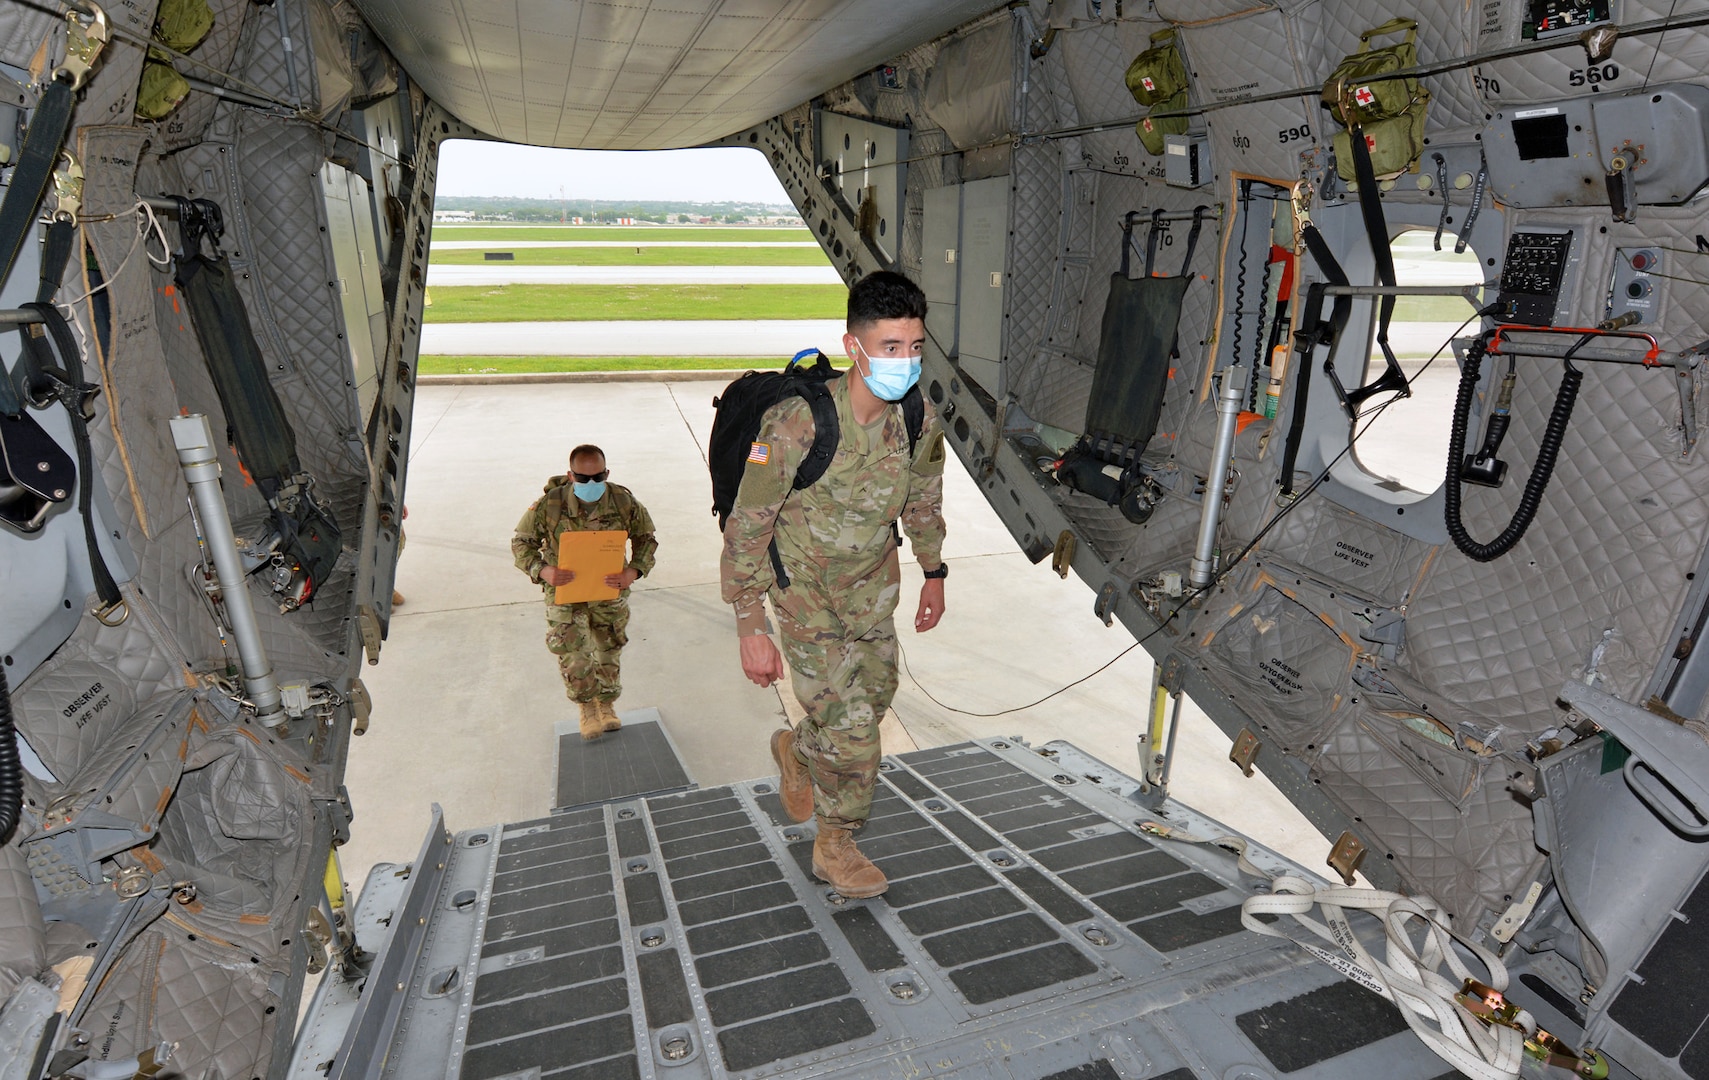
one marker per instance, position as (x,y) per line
(592,555)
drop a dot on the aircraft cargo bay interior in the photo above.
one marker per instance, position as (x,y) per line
(1327,373)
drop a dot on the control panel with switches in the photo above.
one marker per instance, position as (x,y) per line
(1634,289)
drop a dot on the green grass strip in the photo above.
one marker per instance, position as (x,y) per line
(633,303)
(531,365)
(622,234)
(640,255)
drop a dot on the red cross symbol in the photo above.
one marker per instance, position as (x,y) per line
(1364,96)
(1146,82)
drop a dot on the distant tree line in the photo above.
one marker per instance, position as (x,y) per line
(605,210)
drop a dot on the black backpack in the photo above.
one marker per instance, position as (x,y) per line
(743,404)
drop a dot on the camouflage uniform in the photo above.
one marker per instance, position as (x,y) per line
(586,638)
(834,540)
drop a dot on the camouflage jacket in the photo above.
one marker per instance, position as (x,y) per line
(835,535)
(535,545)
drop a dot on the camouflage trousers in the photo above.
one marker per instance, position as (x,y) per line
(588,646)
(845,685)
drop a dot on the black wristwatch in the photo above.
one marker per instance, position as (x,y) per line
(940,573)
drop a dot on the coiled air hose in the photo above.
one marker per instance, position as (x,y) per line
(11,768)
(1548,449)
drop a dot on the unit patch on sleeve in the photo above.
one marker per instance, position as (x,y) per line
(760,453)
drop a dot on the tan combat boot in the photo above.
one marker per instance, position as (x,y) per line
(592,722)
(794,786)
(837,861)
(608,716)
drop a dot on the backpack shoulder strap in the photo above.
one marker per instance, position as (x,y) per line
(826,432)
(914,415)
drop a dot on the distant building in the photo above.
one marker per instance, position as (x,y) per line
(453,215)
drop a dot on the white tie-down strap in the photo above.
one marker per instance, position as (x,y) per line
(1410,973)
(1234,844)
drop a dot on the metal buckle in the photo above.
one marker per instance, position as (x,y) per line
(83,45)
(68,188)
(104,614)
(1492,1007)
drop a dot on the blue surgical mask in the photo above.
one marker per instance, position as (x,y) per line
(590,492)
(889,377)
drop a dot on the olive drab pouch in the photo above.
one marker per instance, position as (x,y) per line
(1151,129)
(1157,79)
(1389,111)
(1395,144)
(1157,74)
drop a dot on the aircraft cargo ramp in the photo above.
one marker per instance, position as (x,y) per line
(1031,930)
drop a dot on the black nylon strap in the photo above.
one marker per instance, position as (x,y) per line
(778,573)
(1478,188)
(75,395)
(52,119)
(56,254)
(1151,240)
(1442,187)
(1193,238)
(1313,332)
(1377,233)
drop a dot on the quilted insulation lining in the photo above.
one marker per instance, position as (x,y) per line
(129,438)
(292,302)
(1445,29)
(188,124)
(23,28)
(1054,388)
(1548,604)
(1095,58)
(1322,538)
(1245,55)
(1035,214)
(1472,854)
(264,61)
(1656,58)
(1629,512)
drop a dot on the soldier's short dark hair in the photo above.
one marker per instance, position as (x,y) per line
(587,449)
(882,295)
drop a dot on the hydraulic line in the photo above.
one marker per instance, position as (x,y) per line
(195,444)
(1202,569)
(1548,449)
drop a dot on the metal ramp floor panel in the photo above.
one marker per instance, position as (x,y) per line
(1030,931)
(637,760)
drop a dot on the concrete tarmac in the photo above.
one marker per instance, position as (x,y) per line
(661,337)
(466,696)
(508,273)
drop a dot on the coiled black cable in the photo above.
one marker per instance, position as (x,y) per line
(1548,449)
(11,768)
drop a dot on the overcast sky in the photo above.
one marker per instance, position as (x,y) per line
(724,174)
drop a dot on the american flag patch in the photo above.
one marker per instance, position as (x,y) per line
(759,453)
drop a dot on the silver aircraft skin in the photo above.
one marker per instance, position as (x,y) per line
(1465,647)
